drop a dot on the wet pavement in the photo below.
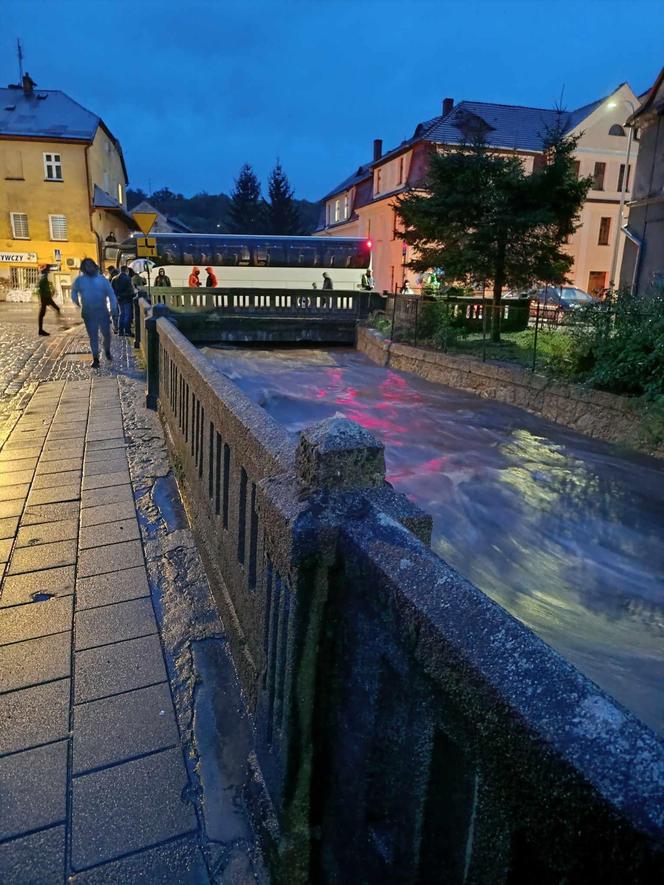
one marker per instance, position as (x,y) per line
(118,702)
(563,531)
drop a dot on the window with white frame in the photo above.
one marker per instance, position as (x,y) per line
(20,230)
(345,205)
(57,225)
(120,193)
(24,277)
(337,209)
(52,167)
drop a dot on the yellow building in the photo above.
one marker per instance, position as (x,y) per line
(63,187)
(363,204)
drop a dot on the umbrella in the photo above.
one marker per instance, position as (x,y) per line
(141,265)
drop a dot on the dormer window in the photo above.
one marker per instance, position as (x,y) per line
(616,129)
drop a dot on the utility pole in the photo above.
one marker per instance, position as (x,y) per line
(19,50)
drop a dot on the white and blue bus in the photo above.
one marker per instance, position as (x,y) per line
(248,261)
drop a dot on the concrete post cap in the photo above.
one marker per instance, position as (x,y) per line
(339,454)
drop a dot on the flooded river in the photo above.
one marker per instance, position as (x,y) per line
(566,533)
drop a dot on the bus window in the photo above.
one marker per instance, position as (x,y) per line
(202,252)
(244,255)
(361,256)
(187,257)
(261,255)
(335,255)
(277,255)
(302,255)
(169,253)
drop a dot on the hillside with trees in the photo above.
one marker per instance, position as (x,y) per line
(244,211)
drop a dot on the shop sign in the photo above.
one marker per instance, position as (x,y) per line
(18,257)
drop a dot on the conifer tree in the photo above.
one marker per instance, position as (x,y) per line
(283,216)
(246,210)
(483,217)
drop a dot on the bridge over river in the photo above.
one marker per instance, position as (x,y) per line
(405,725)
(565,532)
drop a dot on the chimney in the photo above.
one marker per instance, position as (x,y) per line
(28,84)
(448,104)
(378,148)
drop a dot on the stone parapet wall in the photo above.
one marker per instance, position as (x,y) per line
(594,413)
(406,728)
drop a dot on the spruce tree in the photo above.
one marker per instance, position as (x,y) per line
(246,210)
(283,216)
(483,218)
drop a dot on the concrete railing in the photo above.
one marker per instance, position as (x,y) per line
(407,728)
(258,302)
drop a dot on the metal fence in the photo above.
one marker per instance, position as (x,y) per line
(464,325)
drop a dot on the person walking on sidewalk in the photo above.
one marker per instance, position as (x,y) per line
(94,294)
(124,292)
(45,297)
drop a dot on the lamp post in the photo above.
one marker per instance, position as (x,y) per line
(623,191)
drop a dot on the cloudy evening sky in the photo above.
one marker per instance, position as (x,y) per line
(194,89)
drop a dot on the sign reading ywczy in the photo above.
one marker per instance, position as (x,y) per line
(18,257)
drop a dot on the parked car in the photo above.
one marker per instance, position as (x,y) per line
(553,303)
(564,297)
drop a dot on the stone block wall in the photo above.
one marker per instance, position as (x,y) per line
(406,728)
(591,412)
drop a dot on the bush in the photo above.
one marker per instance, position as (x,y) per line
(620,350)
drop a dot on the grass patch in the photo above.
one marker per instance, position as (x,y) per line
(517,347)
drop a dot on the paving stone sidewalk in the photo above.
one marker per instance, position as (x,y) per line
(91,764)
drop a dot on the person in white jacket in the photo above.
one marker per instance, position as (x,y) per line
(93,293)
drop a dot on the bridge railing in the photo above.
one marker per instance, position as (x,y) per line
(407,728)
(259,302)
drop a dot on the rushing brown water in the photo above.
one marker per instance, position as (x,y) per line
(565,532)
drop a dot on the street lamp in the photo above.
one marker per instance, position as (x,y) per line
(623,191)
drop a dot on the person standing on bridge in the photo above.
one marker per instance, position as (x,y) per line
(327,281)
(161,279)
(45,297)
(124,293)
(194,278)
(211,282)
(367,281)
(94,294)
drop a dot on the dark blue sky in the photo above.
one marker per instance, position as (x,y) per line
(193,89)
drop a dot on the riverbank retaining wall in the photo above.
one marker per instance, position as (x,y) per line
(594,413)
(406,727)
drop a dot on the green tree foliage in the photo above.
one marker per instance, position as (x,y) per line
(483,218)
(247,209)
(283,216)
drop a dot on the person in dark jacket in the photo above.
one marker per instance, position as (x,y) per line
(124,292)
(327,281)
(45,297)
(161,278)
(211,282)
